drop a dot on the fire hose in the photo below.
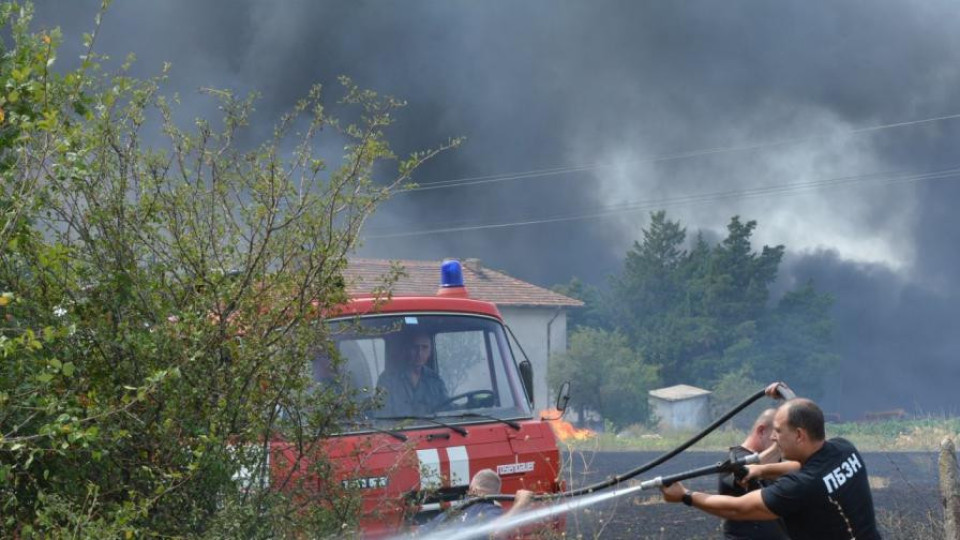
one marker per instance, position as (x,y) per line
(728,466)
(484,529)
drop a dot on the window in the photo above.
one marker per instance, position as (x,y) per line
(430,366)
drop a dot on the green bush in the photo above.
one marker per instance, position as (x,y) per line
(732,390)
(157,304)
(606,375)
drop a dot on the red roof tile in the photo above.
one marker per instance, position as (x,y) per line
(423,279)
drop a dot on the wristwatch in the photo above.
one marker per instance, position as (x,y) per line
(687,497)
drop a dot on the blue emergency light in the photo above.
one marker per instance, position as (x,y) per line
(451,274)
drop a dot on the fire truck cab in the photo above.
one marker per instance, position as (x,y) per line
(444,398)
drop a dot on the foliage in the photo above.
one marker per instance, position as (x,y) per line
(732,389)
(917,434)
(592,314)
(704,313)
(158,303)
(607,376)
(794,342)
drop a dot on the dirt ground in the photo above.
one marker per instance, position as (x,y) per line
(904,489)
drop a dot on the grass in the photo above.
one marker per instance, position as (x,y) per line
(911,435)
(915,435)
(897,526)
(641,440)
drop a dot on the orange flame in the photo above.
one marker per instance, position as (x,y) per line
(564,430)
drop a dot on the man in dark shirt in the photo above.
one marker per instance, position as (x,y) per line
(821,493)
(485,482)
(758,440)
(411,387)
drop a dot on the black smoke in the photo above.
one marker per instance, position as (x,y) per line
(898,338)
(541,84)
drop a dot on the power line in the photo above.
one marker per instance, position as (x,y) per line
(553,171)
(629,207)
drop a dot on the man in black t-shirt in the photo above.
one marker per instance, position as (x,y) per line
(758,440)
(485,482)
(831,485)
(821,493)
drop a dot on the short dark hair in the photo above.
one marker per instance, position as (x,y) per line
(805,414)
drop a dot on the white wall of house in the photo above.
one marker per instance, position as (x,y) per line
(531,326)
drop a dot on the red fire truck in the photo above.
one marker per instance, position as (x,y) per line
(413,455)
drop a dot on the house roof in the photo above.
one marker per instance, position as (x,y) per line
(679,392)
(423,279)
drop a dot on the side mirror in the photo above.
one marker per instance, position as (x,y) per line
(526,375)
(563,396)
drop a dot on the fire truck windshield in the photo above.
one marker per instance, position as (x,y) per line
(409,368)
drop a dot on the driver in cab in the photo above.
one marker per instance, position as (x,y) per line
(411,386)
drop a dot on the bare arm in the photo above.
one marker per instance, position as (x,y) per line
(521,501)
(771,454)
(770,471)
(749,507)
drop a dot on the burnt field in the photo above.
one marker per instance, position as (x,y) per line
(904,490)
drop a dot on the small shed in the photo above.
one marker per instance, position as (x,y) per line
(681,407)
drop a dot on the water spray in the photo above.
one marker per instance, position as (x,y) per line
(587,496)
(535,515)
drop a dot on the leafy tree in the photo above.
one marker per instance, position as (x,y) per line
(796,342)
(648,288)
(650,273)
(608,376)
(738,280)
(733,293)
(593,314)
(733,388)
(157,305)
(703,313)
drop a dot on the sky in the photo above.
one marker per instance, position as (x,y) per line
(829,123)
